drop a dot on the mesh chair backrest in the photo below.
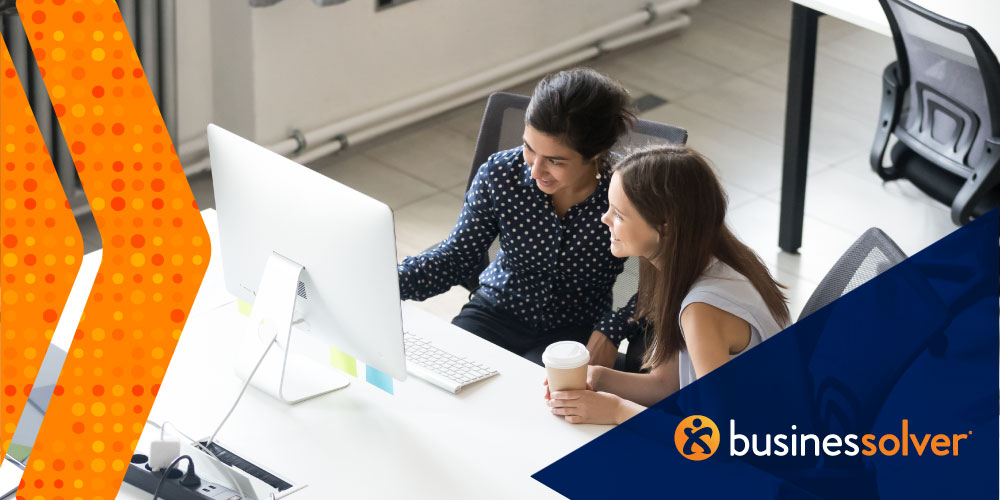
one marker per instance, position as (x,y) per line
(951,82)
(869,256)
(502,127)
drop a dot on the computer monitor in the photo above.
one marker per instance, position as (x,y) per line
(291,237)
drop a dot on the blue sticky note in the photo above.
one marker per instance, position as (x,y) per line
(378,379)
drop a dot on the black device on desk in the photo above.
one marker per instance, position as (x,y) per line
(140,475)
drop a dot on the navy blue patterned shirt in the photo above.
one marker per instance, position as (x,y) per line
(549,273)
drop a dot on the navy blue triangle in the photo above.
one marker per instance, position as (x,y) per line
(917,343)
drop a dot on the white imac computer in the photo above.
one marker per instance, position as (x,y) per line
(304,249)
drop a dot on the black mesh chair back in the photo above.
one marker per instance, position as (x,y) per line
(941,99)
(869,256)
(502,128)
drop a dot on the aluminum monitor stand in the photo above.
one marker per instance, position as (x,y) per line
(288,377)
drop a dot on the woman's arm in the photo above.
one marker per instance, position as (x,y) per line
(712,335)
(609,332)
(645,389)
(613,397)
(457,257)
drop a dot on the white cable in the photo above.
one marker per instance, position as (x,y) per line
(197,444)
(242,390)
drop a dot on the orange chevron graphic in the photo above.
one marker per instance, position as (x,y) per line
(156,248)
(40,247)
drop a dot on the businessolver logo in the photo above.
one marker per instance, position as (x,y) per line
(696,437)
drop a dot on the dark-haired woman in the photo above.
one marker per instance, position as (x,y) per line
(704,297)
(552,278)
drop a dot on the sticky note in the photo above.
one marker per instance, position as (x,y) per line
(378,379)
(244,307)
(19,452)
(344,362)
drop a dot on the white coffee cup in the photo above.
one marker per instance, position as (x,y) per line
(566,365)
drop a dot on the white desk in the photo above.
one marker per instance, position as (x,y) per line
(868,14)
(984,15)
(360,442)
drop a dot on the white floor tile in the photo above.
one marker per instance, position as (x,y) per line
(661,69)
(467,119)
(426,222)
(436,155)
(837,85)
(772,17)
(737,196)
(865,49)
(458,191)
(767,16)
(760,110)
(374,179)
(728,45)
(853,204)
(756,224)
(742,159)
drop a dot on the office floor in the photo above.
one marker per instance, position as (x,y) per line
(724,81)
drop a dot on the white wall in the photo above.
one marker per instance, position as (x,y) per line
(194,69)
(295,65)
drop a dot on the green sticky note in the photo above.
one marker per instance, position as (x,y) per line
(343,362)
(244,307)
(19,452)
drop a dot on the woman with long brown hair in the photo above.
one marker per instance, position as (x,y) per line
(704,297)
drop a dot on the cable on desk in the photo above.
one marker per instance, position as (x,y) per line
(166,472)
(242,390)
(197,444)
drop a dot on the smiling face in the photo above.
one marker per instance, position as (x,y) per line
(631,235)
(555,167)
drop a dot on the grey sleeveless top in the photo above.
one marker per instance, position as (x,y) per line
(722,287)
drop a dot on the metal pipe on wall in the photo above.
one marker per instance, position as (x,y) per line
(149,45)
(362,135)
(152,28)
(569,60)
(168,65)
(425,99)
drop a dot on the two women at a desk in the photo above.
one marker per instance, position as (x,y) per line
(703,296)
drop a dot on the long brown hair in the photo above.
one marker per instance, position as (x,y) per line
(675,190)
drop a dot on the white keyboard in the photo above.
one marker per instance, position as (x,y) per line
(441,368)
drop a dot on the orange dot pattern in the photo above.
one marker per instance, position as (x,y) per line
(156,248)
(40,248)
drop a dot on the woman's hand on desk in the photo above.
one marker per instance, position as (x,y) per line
(589,407)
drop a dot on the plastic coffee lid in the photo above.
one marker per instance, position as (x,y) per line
(565,355)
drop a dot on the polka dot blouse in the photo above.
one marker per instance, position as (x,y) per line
(549,273)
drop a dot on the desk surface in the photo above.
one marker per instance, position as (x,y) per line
(984,15)
(360,442)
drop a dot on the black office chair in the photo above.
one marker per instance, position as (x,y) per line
(502,128)
(941,99)
(845,401)
(869,256)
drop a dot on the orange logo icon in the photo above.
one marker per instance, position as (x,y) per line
(696,437)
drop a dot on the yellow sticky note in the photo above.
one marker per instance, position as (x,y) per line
(244,307)
(343,362)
